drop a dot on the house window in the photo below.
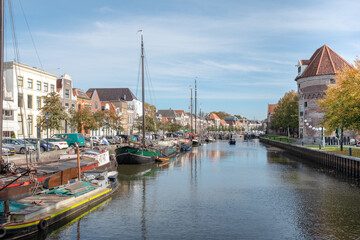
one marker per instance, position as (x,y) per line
(305,104)
(73,105)
(66,105)
(30,101)
(30,83)
(20,132)
(7,113)
(332,81)
(38,85)
(38,102)
(96,105)
(30,125)
(67,93)
(20,100)
(20,81)
(52,88)
(299,69)
(45,87)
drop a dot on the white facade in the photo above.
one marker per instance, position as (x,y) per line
(136,105)
(27,85)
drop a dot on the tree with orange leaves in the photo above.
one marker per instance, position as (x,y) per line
(341,104)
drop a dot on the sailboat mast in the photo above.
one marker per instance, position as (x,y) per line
(191,115)
(1,68)
(195,105)
(143,90)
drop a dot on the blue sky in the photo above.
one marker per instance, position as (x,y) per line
(243,53)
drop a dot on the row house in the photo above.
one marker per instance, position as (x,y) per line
(68,99)
(180,117)
(83,101)
(214,119)
(24,89)
(122,98)
(169,114)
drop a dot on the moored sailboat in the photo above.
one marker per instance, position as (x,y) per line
(138,154)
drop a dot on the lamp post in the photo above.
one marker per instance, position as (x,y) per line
(321,129)
(47,117)
(29,126)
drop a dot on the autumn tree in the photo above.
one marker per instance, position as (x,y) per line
(151,109)
(287,113)
(52,105)
(83,118)
(222,115)
(341,102)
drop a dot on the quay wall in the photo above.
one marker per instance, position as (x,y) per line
(348,165)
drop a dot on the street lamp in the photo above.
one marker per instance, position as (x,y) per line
(47,117)
(29,125)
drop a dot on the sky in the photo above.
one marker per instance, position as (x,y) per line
(242,53)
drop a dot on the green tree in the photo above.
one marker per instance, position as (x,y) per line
(149,124)
(52,105)
(174,127)
(287,113)
(341,102)
(83,118)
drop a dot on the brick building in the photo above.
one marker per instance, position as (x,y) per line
(314,75)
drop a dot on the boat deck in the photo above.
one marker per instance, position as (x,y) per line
(55,201)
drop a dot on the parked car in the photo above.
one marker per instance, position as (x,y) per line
(43,144)
(124,137)
(19,145)
(111,139)
(118,140)
(88,142)
(72,139)
(58,143)
(7,150)
(95,139)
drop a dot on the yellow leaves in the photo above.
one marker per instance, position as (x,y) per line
(341,102)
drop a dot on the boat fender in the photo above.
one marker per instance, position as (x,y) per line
(2,232)
(42,224)
(102,150)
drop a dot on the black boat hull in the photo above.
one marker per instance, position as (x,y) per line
(131,158)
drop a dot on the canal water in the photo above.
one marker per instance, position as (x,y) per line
(222,191)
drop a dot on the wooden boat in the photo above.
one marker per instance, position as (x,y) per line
(48,207)
(232,141)
(195,142)
(98,154)
(13,187)
(138,154)
(186,146)
(168,148)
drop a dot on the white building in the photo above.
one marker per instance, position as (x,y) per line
(24,88)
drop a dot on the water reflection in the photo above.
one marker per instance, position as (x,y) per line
(218,191)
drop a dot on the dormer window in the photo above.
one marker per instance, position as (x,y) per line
(299,70)
(332,81)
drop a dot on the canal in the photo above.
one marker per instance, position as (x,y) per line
(222,191)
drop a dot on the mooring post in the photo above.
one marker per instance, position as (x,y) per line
(349,151)
(319,146)
(78,163)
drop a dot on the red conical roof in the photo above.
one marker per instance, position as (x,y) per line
(324,61)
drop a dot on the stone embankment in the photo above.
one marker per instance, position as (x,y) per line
(341,163)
